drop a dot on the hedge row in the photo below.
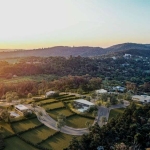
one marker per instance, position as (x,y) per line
(50,103)
(21,132)
(71,115)
(48,137)
(68,99)
(23,119)
(9,136)
(66,96)
(27,141)
(55,108)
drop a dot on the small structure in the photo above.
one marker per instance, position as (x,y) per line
(14,114)
(101,91)
(21,109)
(50,93)
(119,89)
(141,98)
(127,56)
(82,104)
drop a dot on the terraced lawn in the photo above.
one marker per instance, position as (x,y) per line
(54,105)
(6,129)
(54,113)
(58,142)
(24,125)
(46,101)
(78,121)
(38,134)
(14,143)
(115,112)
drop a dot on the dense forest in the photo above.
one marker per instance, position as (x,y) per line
(128,131)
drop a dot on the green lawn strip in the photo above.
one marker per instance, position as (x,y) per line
(53,105)
(64,97)
(77,121)
(14,143)
(25,125)
(38,134)
(6,129)
(58,142)
(45,101)
(115,112)
(54,113)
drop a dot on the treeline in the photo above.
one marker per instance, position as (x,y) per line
(129,131)
(135,69)
(70,83)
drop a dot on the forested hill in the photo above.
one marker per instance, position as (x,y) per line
(83,51)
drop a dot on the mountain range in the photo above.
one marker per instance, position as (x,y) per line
(83,51)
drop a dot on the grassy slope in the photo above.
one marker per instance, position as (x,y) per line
(24,125)
(55,113)
(14,143)
(39,134)
(78,122)
(58,142)
(115,112)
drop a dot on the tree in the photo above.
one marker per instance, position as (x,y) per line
(33,105)
(61,121)
(88,124)
(74,144)
(103,120)
(4,115)
(94,113)
(29,95)
(108,105)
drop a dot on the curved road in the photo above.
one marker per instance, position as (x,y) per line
(51,123)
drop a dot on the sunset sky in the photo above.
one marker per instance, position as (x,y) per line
(30,24)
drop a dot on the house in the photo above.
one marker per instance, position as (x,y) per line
(141,98)
(21,109)
(101,91)
(119,89)
(83,105)
(50,93)
(127,56)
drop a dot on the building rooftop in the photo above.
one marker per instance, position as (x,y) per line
(141,97)
(84,102)
(101,91)
(21,107)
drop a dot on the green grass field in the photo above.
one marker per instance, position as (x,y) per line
(14,143)
(78,122)
(54,105)
(6,129)
(54,113)
(58,142)
(38,134)
(36,78)
(24,125)
(115,112)
(46,101)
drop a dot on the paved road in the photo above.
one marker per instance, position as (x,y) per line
(104,112)
(51,123)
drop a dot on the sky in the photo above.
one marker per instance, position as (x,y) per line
(28,24)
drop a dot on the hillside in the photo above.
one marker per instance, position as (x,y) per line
(66,51)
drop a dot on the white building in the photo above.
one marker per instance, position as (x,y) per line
(101,91)
(83,103)
(141,98)
(50,93)
(127,56)
(21,108)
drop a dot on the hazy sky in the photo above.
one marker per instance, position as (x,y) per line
(45,23)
